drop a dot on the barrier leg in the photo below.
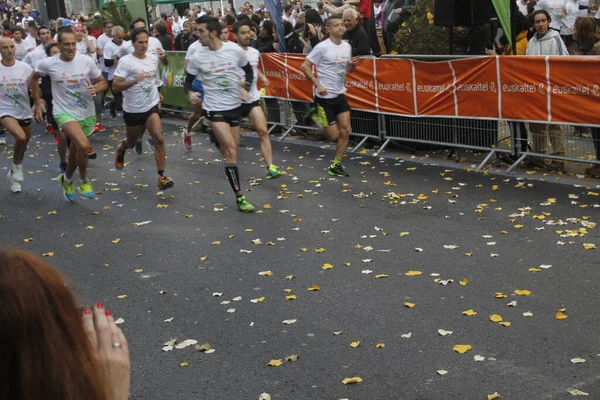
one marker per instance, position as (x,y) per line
(271,128)
(358,146)
(383,146)
(486,160)
(516,163)
(286,133)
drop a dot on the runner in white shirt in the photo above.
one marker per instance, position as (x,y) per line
(111,49)
(332,59)
(196,119)
(15,109)
(30,40)
(136,76)
(154,47)
(35,56)
(76,79)
(20,46)
(218,65)
(251,108)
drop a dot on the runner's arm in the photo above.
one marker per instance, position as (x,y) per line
(247,83)
(100,84)
(307,67)
(40,104)
(109,63)
(187,84)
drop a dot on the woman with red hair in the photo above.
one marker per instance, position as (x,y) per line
(50,349)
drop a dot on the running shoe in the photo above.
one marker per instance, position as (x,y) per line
(113,110)
(187,141)
(15,186)
(337,170)
(17,172)
(92,154)
(150,143)
(273,172)
(3,138)
(68,188)
(243,204)
(120,157)
(309,115)
(199,125)
(62,167)
(55,139)
(138,147)
(99,128)
(50,129)
(86,191)
(165,183)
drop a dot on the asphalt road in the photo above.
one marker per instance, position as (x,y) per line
(368,228)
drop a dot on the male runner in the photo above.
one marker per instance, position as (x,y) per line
(196,116)
(333,60)
(15,108)
(20,46)
(251,108)
(73,100)
(111,49)
(218,65)
(136,76)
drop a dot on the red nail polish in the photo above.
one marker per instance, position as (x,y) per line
(108,313)
(99,305)
(87,310)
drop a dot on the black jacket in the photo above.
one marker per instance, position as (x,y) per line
(264,44)
(359,41)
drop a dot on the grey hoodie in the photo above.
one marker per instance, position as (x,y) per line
(549,45)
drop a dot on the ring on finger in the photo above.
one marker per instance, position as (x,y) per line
(116,344)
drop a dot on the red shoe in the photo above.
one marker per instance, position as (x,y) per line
(99,128)
(55,139)
(91,154)
(50,129)
(187,142)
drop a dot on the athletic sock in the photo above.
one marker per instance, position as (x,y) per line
(337,160)
(231,170)
(161,172)
(67,179)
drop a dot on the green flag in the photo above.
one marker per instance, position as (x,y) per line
(503,10)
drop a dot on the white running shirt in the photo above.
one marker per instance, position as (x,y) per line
(101,42)
(14,93)
(69,84)
(331,61)
(219,72)
(194,47)
(142,96)
(33,57)
(110,53)
(153,45)
(253,57)
(21,50)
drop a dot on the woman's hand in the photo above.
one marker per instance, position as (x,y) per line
(112,350)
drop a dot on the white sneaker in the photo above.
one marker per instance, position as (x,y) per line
(17,172)
(15,186)
(2,138)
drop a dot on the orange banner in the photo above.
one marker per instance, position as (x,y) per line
(395,86)
(544,89)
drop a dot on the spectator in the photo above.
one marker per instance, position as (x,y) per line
(586,36)
(322,13)
(292,39)
(355,34)
(299,27)
(289,14)
(50,348)
(313,30)
(395,13)
(162,35)
(185,38)
(230,20)
(474,39)
(365,9)
(20,46)
(547,42)
(554,8)
(264,43)
(378,12)
(567,23)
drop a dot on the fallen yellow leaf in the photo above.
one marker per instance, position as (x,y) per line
(314,288)
(320,250)
(464,282)
(355,344)
(505,323)
(500,295)
(494,395)
(462,348)
(203,258)
(589,246)
(122,296)
(348,381)
(469,313)
(380,345)
(89,228)
(275,363)
(413,273)
(184,364)
(495,318)
(48,254)
(327,266)
(79,245)
(409,305)
(469,254)
(117,240)
(289,277)
(523,292)
(248,230)
(291,297)
(138,270)
(216,242)
(560,314)
(381,276)
(534,270)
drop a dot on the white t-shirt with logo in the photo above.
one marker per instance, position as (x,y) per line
(142,96)
(153,45)
(331,61)
(30,42)
(219,72)
(21,50)
(33,57)
(110,53)
(253,57)
(14,93)
(69,84)
(194,47)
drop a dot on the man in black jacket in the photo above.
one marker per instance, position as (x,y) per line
(355,34)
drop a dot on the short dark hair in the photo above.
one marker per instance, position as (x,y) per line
(135,21)
(287,8)
(230,19)
(49,47)
(332,18)
(17,28)
(63,31)
(31,24)
(538,12)
(137,31)
(212,24)
(239,24)
(41,28)
(105,23)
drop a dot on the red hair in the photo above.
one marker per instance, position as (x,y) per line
(44,350)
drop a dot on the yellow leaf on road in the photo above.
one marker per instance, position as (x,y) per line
(248,230)
(289,277)
(266,206)
(89,228)
(523,292)
(464,282)
(138,270)
(519,226)
(184,364)
(122,296)
(500,295)
(265,273)
(380,345)
(53,212)
(493,396)
(216,242)
(275,363)
(48,254)
(469,313)
(27,240)
(462,348)
(495,318)
(589,246)
(320,250)
(79,245)
(505,323)
(327,266)
(534,270)
(314,288)
(355,344)
(560,314)
(291,297)
(413,273)
(409,305)
(162,205)
(348,381)
(203,258)
(116,241)
(381,276)
(469,254)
